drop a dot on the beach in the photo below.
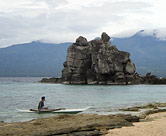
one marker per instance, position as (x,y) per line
(153,125)
(151,122)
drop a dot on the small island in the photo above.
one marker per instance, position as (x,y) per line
(97,62)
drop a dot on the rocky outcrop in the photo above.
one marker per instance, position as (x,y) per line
(68,125)
(51,80)
(97,62)
(146,107)
(152,79)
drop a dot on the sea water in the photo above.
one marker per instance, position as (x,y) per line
(26,92)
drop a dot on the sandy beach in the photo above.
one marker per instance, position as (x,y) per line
(153,125)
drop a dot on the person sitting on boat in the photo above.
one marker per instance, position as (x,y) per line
(41,104)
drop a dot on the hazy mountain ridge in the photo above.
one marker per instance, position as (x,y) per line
(46,59)
(33,59)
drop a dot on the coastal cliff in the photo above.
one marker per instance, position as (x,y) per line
(99,62)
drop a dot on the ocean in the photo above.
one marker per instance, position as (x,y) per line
(26,92)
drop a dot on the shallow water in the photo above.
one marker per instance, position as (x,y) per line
(25,93)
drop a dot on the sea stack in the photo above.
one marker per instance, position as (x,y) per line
(97,62)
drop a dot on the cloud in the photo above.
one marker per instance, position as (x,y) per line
(64,20)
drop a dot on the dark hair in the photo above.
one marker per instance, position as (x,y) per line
(43,98)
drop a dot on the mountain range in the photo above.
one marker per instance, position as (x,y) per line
(46,59)
(33,59)
(147,52)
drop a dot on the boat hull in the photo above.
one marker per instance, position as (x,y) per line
(56,111)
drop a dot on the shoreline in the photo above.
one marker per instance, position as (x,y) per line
(152,125)
(81,124)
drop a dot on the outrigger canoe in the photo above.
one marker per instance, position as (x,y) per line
(62,110)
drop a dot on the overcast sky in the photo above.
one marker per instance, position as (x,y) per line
(64,20)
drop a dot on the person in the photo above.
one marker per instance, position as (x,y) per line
(41,104)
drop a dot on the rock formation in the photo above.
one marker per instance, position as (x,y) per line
(152,79)
(97,62)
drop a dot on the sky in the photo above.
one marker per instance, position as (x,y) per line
(57,21)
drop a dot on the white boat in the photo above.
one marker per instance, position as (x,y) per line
(62,110)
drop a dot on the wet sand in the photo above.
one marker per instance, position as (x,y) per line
(153,125)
